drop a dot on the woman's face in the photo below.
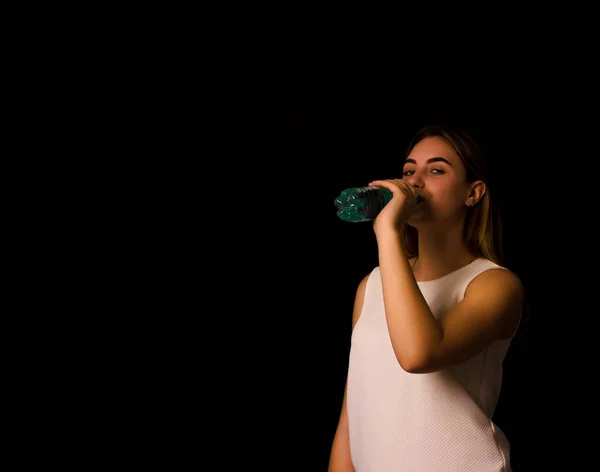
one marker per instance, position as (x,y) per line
(439,176)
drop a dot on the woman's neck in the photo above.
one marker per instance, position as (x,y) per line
(440,254)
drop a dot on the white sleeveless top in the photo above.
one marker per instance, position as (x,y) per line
(435,422)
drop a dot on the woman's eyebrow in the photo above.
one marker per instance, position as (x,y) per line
(430,160)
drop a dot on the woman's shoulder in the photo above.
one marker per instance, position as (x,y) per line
(488,270)
(361,291)
(494,278)
(362,284)
(499,290)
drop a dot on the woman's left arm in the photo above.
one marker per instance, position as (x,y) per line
(490,309)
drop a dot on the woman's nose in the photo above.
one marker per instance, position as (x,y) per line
(416,181)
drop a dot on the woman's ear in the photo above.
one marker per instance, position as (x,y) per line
(477,192)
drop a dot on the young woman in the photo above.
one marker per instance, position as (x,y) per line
(432,322)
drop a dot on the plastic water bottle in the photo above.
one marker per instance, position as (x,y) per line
(358,204)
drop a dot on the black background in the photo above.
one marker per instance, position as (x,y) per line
(219,282)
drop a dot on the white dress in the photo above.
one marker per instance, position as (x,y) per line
(435,422)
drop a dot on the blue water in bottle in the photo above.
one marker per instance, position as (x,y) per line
(358,204)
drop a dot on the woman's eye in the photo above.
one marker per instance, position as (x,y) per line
(433,171)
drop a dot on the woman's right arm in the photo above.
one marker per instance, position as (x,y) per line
(340,459)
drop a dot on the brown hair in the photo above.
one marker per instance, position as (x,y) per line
(483,230)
